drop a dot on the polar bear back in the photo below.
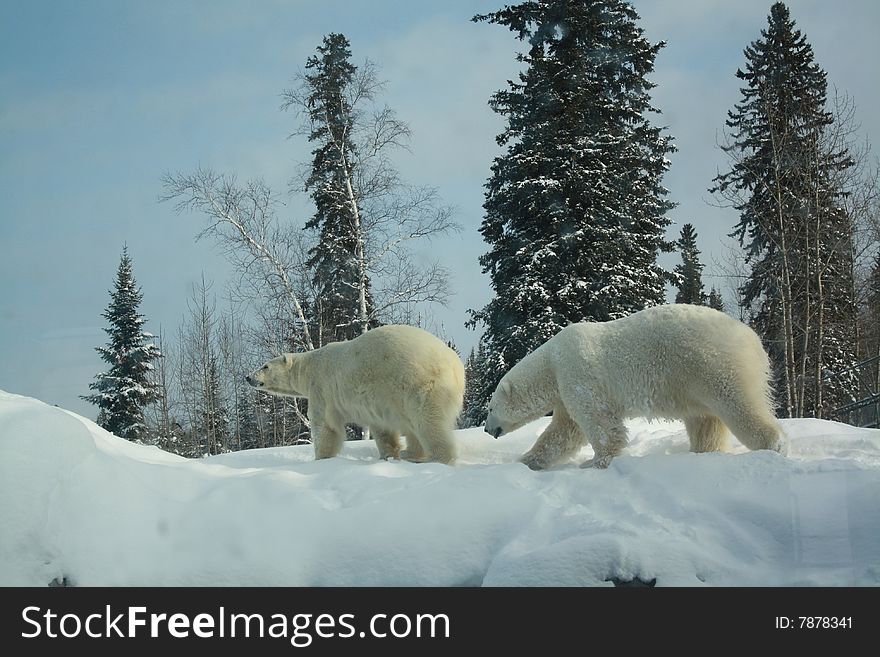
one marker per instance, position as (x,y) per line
(387,378)
(662,361)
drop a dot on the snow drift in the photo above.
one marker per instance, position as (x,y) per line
(80,504)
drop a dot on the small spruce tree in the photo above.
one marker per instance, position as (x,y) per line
(714,300)
(123,391)
(690,271)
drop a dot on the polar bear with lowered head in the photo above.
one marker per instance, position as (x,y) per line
(675,361)
(394,379)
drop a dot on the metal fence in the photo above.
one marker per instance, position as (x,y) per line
(863,412)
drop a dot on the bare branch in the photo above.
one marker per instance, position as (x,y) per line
(242,221)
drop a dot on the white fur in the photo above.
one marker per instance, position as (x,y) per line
(394,379)
(676,361)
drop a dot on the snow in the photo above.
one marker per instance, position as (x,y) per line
(79,503)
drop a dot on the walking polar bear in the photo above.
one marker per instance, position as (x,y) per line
(394,379)
(675,361)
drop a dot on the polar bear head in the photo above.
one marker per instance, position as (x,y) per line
(505,414)
(279,376)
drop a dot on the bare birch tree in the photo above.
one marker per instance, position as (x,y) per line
(161,414)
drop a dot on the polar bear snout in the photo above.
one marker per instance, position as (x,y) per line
(493,428)
(255,378)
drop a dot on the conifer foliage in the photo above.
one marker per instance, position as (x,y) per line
(338,259)
(122,392)
(871,319)
(574,208)
(367,218)
(798,237)
(476,388)
(690,271)
(714,300)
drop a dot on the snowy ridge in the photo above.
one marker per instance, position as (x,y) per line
(79,503)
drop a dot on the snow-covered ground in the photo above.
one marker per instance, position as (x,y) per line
(78,503)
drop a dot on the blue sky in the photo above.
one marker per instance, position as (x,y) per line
(99,98)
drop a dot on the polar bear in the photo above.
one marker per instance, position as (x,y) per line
(676,361)
(393,379)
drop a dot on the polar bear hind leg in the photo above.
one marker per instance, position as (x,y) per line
(437,444)
(434,432)
(754,425)
(388,444)
(707,433)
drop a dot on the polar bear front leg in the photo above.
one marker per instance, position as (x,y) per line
(607,437)
(327,440)
(414,451)
(388,443)
(560,441)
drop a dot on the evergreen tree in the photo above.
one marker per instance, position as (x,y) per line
(690,271)
(873,293)
(714,300)
(122,392)
(574,209)
(476,394)
(249,432)
(798,238)
(214,416)
(343,302)
(871,321)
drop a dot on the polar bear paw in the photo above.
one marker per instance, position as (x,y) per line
(782,446)
(413,457)
(600,462)
(533,461)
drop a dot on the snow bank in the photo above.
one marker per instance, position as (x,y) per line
(78,503)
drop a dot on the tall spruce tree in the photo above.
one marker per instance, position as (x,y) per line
(574,209)
(690,271)
(122,392)
(798,238)
(343,303)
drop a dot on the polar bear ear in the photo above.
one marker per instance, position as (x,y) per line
(288,360)
(505,387)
